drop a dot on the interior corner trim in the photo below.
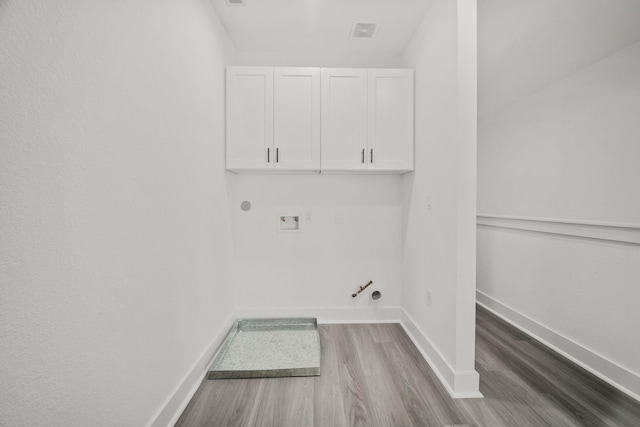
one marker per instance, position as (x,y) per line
(607,231)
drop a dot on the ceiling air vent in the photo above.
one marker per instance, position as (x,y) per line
(237,2)
(364,30)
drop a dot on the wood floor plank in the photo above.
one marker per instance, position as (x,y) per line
(357,401)
(486,358)
(595,399)
(226,402)
(536,375)
(533,409)
(485,412)
(384,332)
(373,375)
(285,402)
(386,407)
(327,388)
(420,396)
(589,400)
(420,381)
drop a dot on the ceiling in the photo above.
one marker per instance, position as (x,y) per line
(523,45)
(320,26)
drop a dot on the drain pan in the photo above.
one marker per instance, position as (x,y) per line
(263,348)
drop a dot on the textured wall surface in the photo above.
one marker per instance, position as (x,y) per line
(568,152)
(525,46)
(115,240)
(439,205)
(354,235)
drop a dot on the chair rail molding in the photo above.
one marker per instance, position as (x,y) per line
(608,231)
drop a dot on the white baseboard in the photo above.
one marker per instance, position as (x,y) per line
(179,399)
(327,315)
(459,384)
(614,374)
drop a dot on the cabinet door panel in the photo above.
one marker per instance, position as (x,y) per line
(390,124)
(297,118)
(249,117)
(344,118)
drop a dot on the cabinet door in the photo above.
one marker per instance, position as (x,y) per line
(344,118)
(249,117)
(390,124)
(296,125)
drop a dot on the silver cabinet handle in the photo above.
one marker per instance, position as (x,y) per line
(363,156)
(371,157)
(268,155)
(277,155)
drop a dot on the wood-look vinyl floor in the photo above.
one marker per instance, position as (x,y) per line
(373,375)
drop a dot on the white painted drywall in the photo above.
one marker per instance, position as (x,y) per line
(439,198)
(525,46)
(569,151)
(325,58)
(353,236)
(115,248)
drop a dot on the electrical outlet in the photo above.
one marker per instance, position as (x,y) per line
(428,298)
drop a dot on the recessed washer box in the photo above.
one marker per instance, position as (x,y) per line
(289,223)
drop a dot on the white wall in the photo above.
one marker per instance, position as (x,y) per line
(439,215)
(525,46)
(568,152)
(314,272)
(116,245)
(354,236)
(315,59)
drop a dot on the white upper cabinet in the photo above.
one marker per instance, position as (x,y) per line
(249,117)
(296,118)
(273,118)
(390,119)
(344,119)
(367,120)
(312,119)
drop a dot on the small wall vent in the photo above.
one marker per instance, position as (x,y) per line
(364,30)
(237,2)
